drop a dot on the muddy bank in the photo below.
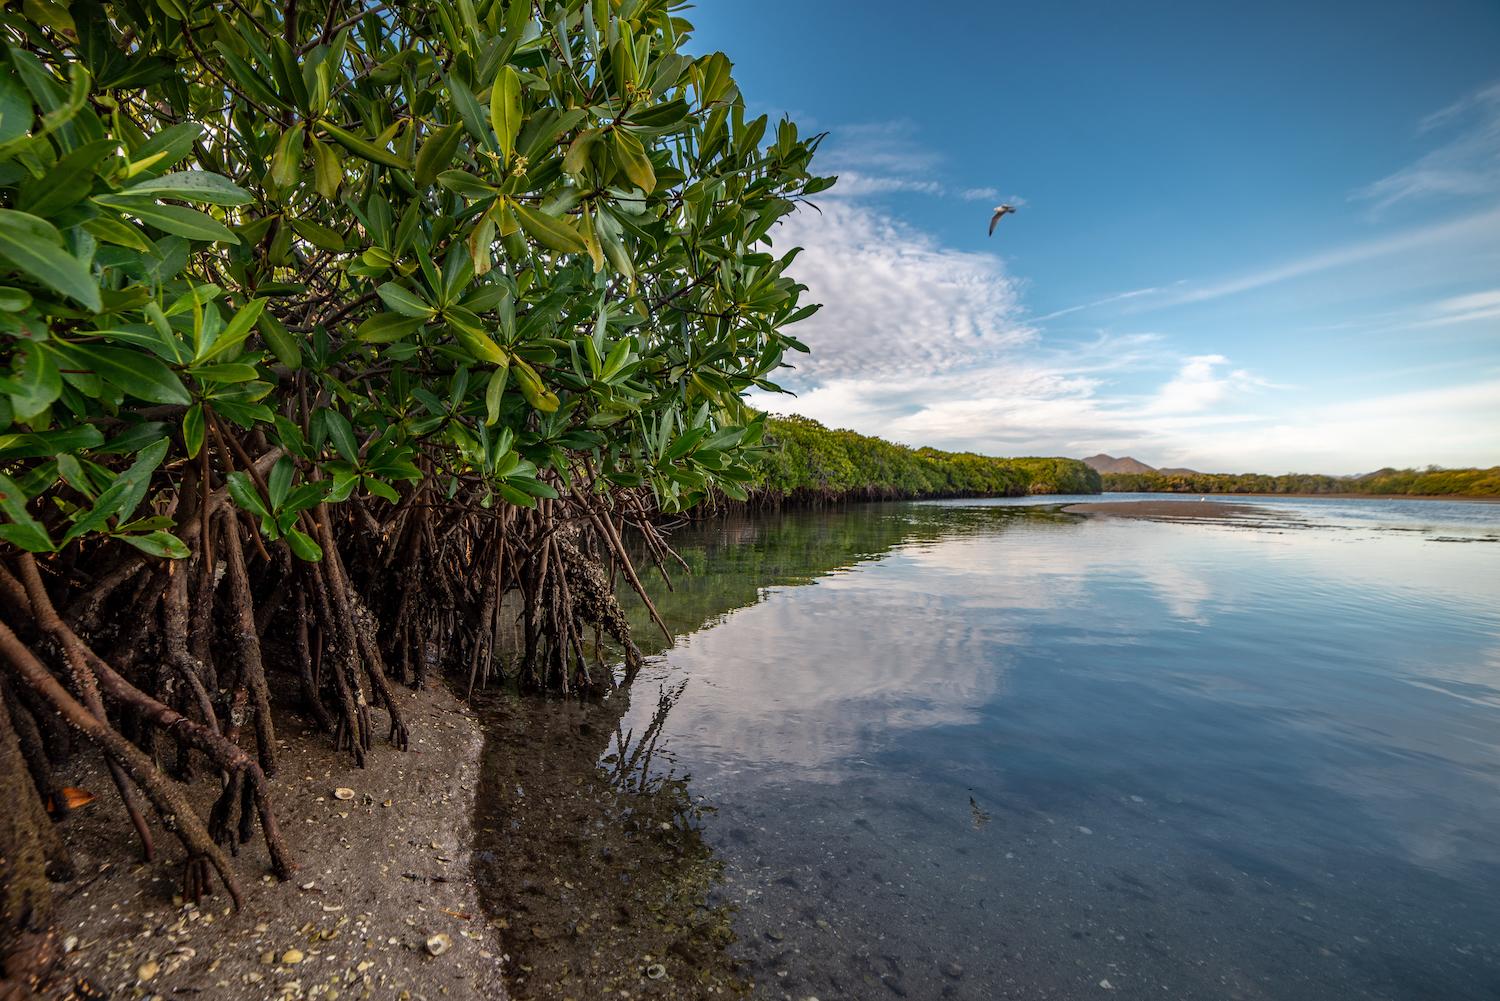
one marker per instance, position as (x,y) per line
(590,858)
(381,874)
(1182,510)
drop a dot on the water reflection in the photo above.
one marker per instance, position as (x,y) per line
(1213,762)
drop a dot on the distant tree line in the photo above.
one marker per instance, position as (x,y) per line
(806,461)
(1430,482)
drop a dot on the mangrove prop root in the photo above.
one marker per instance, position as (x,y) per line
(247,639)
(172,807)
(182,660)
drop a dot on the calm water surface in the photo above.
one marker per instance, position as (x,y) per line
(990,750)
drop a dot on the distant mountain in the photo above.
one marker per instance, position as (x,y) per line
(1179,471)
(1109,464)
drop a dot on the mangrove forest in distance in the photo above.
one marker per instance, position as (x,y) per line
(1384,482)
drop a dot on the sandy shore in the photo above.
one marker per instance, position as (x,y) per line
(1183,510)
(379,875)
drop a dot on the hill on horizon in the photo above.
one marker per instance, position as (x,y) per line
(1102,463)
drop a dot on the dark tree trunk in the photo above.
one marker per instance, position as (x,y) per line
(29,849)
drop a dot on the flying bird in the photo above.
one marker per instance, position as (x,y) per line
(1000,210)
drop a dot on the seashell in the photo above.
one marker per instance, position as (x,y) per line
(439,944)
(656,971)
(343,793)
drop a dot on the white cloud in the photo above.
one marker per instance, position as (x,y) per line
(980,194)
(1199,384)
(855,184)
(1468,163)
(895,301)
(1029,410)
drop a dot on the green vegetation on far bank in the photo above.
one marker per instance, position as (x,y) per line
(809,462)
(1409,482)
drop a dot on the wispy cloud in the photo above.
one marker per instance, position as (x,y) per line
(895,300)
(881,158)
(1466,163)
(1481,225)
(884,148)
(1464,309)
(1119,297)
(858,184)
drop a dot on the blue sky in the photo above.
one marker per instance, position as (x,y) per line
(1251,237)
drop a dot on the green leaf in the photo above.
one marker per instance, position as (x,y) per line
(233,333)
(436,153)
(36,247)
(192,429)
(461,182)
(342,435)
(23,530)
(123,496)
(38,382)
(382,490)
(174,143)
(328,169)
(364,149)
(405,301)
(481,345)
(45,443)
(577,156)
(531,387)
(505,110)
(303,547)
(141,375)
(14,300)
(121,234)
(282,344)
(286,161)
(225,372)
(549,231)
(279,483)
(162,544)
(319,236)
(385,328)
(179,220)
(632,158)
(493,394)
(192,186)
(242,491)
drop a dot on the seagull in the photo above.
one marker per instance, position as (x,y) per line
(1000,210)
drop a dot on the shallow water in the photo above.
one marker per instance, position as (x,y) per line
(990,750)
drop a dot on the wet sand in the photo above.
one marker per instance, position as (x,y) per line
(379,875)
